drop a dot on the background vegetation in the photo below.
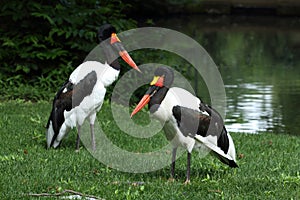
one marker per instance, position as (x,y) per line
(43,41)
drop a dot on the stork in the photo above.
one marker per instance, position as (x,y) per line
(187,121)
(82,95)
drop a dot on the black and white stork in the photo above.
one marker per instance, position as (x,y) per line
(81,97)
(187,122)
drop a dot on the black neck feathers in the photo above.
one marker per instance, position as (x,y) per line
(110,57)
(156,99)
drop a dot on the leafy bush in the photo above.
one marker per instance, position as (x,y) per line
(43,41)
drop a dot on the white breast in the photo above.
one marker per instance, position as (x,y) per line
(105,73)
(181,97)
(176,96)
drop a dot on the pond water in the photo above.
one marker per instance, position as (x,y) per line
(259,60)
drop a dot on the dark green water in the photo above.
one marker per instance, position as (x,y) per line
(259,60)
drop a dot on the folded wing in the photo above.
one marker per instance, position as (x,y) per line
(207,127)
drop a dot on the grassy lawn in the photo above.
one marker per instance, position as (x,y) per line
(269,164)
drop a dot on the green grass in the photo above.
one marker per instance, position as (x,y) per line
(269,164)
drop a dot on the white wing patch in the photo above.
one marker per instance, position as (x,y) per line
(213,147)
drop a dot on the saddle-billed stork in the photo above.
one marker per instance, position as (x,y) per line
(187,122)
(81,97)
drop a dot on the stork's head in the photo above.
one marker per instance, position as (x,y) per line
(107,31)
(162,81)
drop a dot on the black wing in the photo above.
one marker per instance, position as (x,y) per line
(217,120)
(192,122)
(69,96)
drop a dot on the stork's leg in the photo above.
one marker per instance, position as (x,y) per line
(78,138)
(92,127)
(188,170)
(173,164)
(93,137)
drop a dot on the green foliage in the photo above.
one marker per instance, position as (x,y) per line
(39,37)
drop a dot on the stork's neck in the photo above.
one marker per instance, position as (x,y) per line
(111,59)
(156,99)
(109,75)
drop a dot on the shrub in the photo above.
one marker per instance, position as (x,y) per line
(40,36)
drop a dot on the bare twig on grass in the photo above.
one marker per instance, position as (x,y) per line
(63,193)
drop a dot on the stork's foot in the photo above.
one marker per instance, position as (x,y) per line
(187,182)
(77,145)
(171,180)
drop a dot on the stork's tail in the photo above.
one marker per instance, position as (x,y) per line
(231,152)
(227,158)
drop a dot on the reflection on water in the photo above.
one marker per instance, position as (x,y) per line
(259,60)
(252,110)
